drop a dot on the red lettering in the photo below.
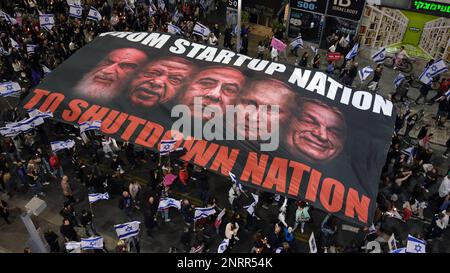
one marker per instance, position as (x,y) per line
(354,203)
(277,175)
(132,126)
(297,176)
(332,195)
(224,160)
(254,168)
(95,112)
(198,151)
(111,124)
(38,95)
(313,185)
(75,110)
(150,135)
(52,102)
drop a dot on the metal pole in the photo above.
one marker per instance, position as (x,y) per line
(37,245)
(238,28)
(324,23)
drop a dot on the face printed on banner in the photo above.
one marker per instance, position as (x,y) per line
(265,93)
(317,132)
(159,81)
(106,80)
(216,86)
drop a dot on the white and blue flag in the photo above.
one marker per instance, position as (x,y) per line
(31,49)
(379,56)
(36,113)
(90,125)
(203,213)
(94,197)
(9,88)
(161,5)
(10,20)
(235,180)
(46,21)
(151,11)
(223,245)
(173,29)
(398,80)
(165,203)
(203,4)
(315,50)
(432,71)
(353,52)
(4,52)
(415,245)
(176,16)
(92,243)
(61,145)
(73,247)
(127,230)
(365,72)
(46,69)
(409,152)
(201,30)
(94,14)
(75,11)
(167,146)
(297,42)
(14,43)
(399,250)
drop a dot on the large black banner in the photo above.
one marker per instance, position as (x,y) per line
(306,135)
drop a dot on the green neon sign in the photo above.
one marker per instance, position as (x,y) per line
(430,6)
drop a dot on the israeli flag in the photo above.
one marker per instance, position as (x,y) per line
(176,16)
(161,5)
(165,203)
(415,245)
(297,42)
(4,52)
(75,11)
(128,7)
(353,52)
(31,49)
(235,30)
(14,43)
(46,69)
(47,21)
(9,88)
(251,208)
(61,145)
(173,29)
(127,230)
(201,30)
(35,113)
(166,146)
(73,247)
(379,56)
(315,50)
(10,20)
(203,4)
(94,197)
(74,2)
(92,243)
(203,213)
(151,11)
(399,250)
(432,71)
(365,72)
(94,15)
(220,215)
(409,152)
(90,125)
(398,80)
(223,245)
(235,180)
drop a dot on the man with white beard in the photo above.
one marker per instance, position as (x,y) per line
(107,79)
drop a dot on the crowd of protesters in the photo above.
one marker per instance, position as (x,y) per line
(27,163)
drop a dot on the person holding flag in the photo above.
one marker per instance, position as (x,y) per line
(296,44)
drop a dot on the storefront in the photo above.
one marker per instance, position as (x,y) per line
(262,12)
(317,19)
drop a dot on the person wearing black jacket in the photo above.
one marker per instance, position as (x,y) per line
(4,212)
(68,231)
(274,238)
(86,222)
(52,240)
(150,210)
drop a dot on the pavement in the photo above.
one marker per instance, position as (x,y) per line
(14,237)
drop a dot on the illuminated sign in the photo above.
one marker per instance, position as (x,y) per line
(440,9)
